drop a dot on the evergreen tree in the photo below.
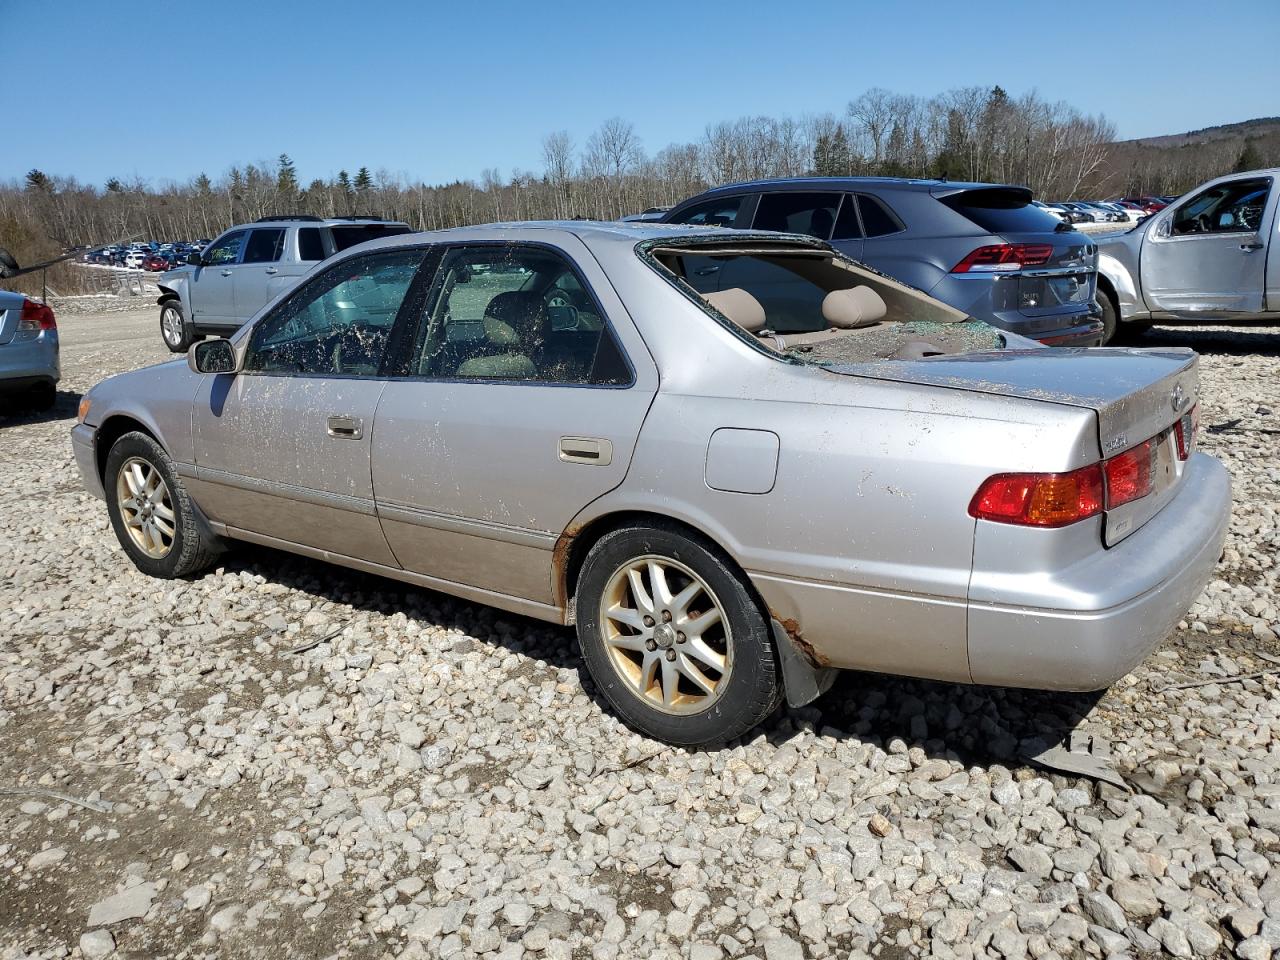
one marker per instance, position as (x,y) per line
(344,182)
(114,186)
(363,180)
(841,161)
(286,177)
(1250,158)
(37,180)
(203,186)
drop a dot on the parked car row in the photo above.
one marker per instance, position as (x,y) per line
(148,255)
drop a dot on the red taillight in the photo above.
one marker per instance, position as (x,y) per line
(1185,432)
(1040,499)
(36,316)
(1059,499)
(1002,257)
(1129,475)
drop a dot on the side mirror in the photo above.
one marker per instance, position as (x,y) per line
(213,356)
(194,259)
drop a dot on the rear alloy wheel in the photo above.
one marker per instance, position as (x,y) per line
(150,511)
(173,327)
(673,638)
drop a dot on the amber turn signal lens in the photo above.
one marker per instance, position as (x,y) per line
(83,412)
(1040,499)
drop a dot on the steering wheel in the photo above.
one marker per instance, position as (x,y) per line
(1203,223)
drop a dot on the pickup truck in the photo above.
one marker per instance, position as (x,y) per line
(244,269)
(1205,258)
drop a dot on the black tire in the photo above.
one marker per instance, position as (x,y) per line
(172,319)
(191,549)
(1110,317)
(753,688)
(8,265)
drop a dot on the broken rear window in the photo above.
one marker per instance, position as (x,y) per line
(814,305)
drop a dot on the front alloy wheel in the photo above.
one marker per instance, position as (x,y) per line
(146,507)
(173,328)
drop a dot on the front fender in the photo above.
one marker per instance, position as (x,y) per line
(1118,264)
(158,397)
(175,284)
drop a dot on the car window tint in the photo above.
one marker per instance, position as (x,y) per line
(847,226)
(349,236)
(264,246)
(1001,210)
(226,250)
(310,246)
(338,323)
(813,214)
(720,212)
(516,313)
(877,219)
(1234,207)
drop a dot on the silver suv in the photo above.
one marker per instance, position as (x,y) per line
(243,270)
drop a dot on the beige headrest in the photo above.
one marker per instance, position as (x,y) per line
(499,332)
(856,307)
(739,306)
(503,366)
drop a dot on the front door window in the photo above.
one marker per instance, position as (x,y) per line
(1232,207)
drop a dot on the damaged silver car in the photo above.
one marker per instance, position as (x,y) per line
(731,495)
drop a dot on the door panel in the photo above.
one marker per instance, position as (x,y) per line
(1207,257)
(213,286)
(523,408)
(470,479)
(267,461)
(255,277)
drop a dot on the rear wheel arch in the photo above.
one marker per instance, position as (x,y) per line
(574,544)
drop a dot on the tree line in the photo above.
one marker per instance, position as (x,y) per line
(969,133)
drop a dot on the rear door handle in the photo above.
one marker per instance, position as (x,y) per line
(586,450)
(1256,245)
(346,428)
(705,271)
(272,270)
(226,273)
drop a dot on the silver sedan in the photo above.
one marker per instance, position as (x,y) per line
(736,461)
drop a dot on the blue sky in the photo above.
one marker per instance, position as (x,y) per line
(439,91)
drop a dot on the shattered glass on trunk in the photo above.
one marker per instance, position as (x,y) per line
(888,340)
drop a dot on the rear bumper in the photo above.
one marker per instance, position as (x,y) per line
(84,445)
(27,362)
(1128,598)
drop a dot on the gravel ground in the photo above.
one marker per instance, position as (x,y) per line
(286,758)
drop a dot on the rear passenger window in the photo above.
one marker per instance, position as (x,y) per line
(348,236)
(310,246)
(517,313)
(813,214)
(265,246)
(877,219)
(720,212)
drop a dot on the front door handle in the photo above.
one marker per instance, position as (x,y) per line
(346,428)
(272,270)
(705,271)
(1256,245)
(586,450)
(226,273)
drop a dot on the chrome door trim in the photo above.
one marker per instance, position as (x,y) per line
(343,427)
(407,513)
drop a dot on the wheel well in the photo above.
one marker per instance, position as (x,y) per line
(111,430)
(1108,291)
(576,544)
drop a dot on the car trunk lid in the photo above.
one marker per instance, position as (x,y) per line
(10,314)
(1137,395)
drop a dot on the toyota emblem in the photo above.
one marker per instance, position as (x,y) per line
(1177,398)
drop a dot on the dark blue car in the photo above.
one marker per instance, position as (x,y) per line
(982,248)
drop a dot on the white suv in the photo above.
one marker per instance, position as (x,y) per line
(243,270)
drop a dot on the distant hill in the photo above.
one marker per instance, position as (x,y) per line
(1176,162)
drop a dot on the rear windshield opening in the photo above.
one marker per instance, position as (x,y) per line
(1002,210)
(814,305)
(344,237)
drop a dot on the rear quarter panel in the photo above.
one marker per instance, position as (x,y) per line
(863,547)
